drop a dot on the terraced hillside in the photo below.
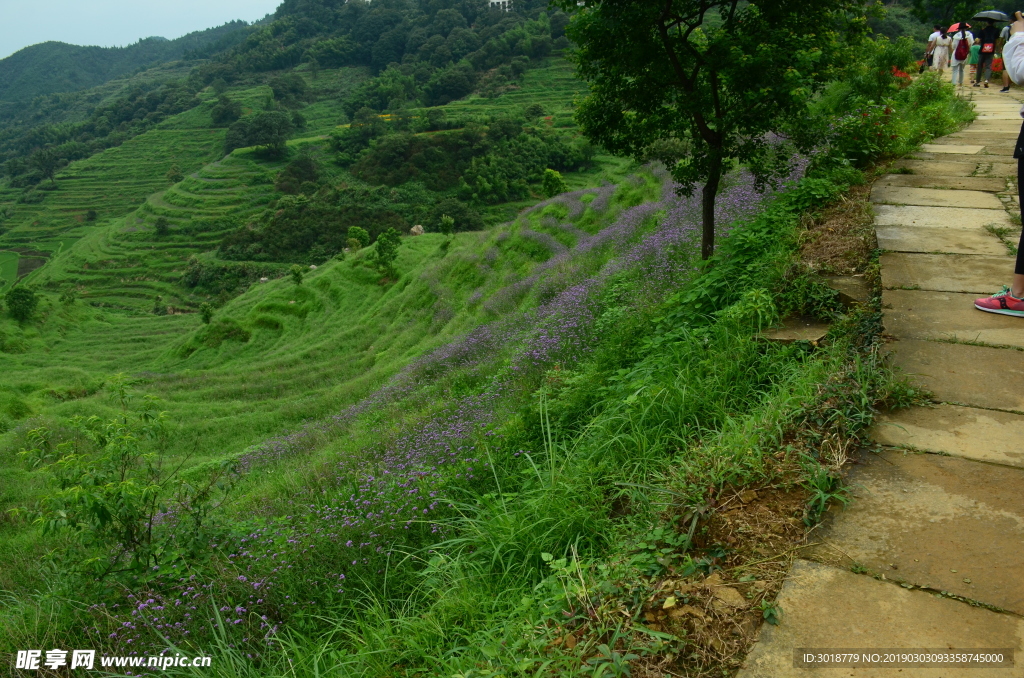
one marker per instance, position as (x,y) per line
(129,262)
(111,183)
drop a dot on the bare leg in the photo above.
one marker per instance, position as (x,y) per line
(1017,289)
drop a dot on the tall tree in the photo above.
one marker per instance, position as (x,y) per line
(703,84)
(946,11)
(45,161)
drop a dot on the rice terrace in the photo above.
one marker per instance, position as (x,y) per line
(515,338)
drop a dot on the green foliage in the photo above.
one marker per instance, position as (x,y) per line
(447,226)
(174,175)
(59,67)
(220,276)
(553,183)
(360,235)
(859,130)
(302,224)
(21,302)
(69,295)
(946,11)
(386,251)
(205,313)
(296,273)
(673,72)
(267,130)
(303,171)
(45,161)
(162,227)
(288,88)
(90,215)
(226,111)
(108,487)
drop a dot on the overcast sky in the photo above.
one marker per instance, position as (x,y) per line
(115,23)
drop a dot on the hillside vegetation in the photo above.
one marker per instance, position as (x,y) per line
(246,413)
(51,67)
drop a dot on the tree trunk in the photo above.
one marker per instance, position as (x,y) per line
(707,204)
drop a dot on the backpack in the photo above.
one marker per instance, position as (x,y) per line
(962,50)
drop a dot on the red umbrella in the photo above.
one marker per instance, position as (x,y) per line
(956,27)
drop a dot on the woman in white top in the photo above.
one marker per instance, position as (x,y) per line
(1011,300)
(959,65)
(940,52)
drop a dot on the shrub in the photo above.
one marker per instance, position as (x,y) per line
(447,225)
(386,251)
(205,313)
(358,234)
(21,303)
(174,175)
(162,226)
(297,273)
(554,183)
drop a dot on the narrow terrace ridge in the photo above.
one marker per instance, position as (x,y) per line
(930,553)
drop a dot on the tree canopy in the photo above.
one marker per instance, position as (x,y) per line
(704,84)
(268,130)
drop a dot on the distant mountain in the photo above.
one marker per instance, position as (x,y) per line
(51,67)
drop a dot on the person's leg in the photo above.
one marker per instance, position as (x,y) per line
(988,69)
(1011,300)
(958,72)
(1017,288)
(1006,80)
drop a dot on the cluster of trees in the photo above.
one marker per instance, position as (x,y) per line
(317,220)
(430,53)
(311,229)
(487,162)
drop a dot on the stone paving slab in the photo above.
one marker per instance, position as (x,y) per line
(798,329)
(917,314)
(825,607)
(986,139)
(999,169)
(1002,148)
(937,168)
(946,272)
(932,197)
(944,148)
(940,217)
(935,522)
(989,184)
(955,157)
(967,432)
(925,239)
(979,376)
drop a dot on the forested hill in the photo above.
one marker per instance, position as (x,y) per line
(59,67)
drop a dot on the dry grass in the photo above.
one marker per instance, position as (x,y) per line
(839,240)
(719,615)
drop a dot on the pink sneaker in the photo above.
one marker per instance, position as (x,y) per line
(1001,302)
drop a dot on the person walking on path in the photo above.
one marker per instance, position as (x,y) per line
(941,51)
(972,60)
(1011,300)
(963,40)
(988,37)
(1004,37)
(936,34)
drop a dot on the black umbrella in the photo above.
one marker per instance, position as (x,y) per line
(993,14)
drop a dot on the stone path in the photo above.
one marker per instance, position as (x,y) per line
(930,554)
